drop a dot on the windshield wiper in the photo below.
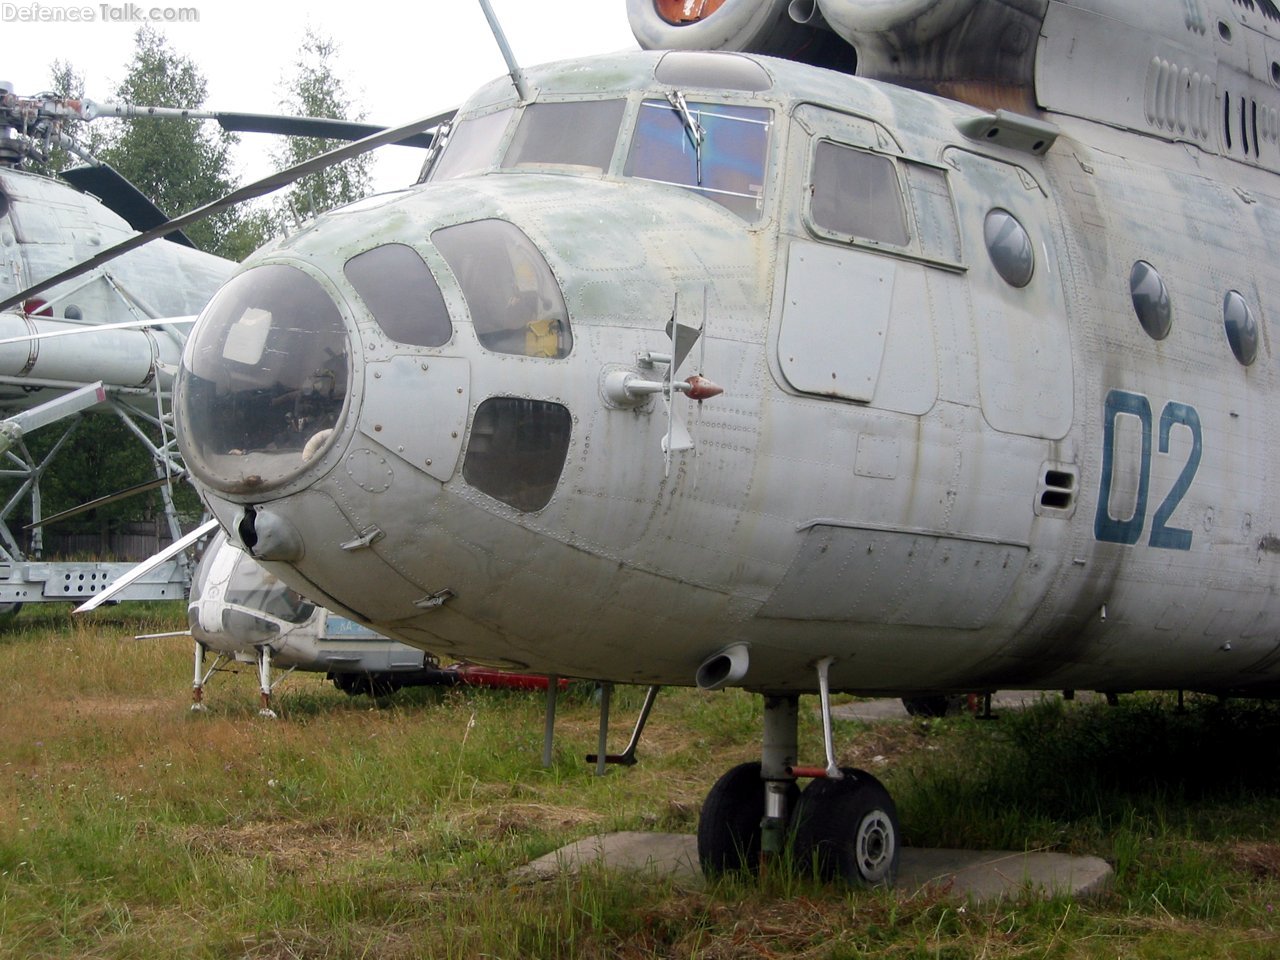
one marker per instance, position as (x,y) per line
(691,126)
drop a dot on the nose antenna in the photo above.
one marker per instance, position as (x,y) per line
(517,75)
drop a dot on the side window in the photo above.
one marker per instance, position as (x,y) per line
(579,133)
(515,302)
(517,450)
(718,150)
(473,146)
(401,293)
(856,193)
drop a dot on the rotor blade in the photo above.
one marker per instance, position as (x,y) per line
(308,127)
(323,127)
(258,188)
(121,197)
(146,566)
(102,501)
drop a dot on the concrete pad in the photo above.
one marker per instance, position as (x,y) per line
(977,876)
(672,855)
(984,875)
(887,709)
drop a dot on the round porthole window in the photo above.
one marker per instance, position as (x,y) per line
(1150,300)
(1009,247)
(1242,328)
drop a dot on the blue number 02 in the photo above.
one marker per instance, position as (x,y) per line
(1129,531)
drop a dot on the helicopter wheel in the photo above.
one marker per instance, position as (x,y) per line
(927,706)
(358,684)
(729,827)
(848,830)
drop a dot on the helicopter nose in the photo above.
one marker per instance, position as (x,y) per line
(265,380)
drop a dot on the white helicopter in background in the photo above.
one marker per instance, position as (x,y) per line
(110,341)
(985,291)
(120,325)
(242,613)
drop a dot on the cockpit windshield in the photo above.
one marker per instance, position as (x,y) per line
(580,133)
(718,150)
(472,146)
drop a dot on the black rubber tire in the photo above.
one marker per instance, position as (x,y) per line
(729,825)
(927,706)
(365,684)
(848,830)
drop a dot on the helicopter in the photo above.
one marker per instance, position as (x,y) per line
(897,347)
(138,309)
(241,613)
(123,327)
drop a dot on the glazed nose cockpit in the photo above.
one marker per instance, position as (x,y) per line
(271,370)
(265,379)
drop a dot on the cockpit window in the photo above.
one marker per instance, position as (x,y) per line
(717,150)
(517,450)
(401,293)
(472,146)
(515,302)
(264,379)
(580,134)
(856,193)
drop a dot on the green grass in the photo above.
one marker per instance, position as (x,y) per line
(130,827)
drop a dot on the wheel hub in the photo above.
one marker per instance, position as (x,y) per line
(874,845)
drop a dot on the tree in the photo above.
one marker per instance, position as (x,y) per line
(316,90)
(179,164)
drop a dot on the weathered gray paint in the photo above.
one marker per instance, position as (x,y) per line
(903,535)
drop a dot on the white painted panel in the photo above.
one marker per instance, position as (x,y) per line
(834,320)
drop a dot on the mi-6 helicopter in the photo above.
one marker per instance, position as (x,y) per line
(988,307)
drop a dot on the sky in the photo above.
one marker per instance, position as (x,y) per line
(400,61)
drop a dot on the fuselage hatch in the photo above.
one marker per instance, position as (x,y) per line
(993,415)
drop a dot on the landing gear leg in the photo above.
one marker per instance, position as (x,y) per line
(264,682)
(744,818)
(197,681)
(201,676)
(844,825)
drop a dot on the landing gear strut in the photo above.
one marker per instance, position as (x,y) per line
(843,826)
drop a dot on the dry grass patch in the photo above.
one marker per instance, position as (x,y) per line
(300,848)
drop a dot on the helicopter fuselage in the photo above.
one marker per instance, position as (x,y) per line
(993,415)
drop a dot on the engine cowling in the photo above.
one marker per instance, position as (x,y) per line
(744,26)
(911,22)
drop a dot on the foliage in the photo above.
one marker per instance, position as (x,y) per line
(179,164)
(316,90)
(103,456)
